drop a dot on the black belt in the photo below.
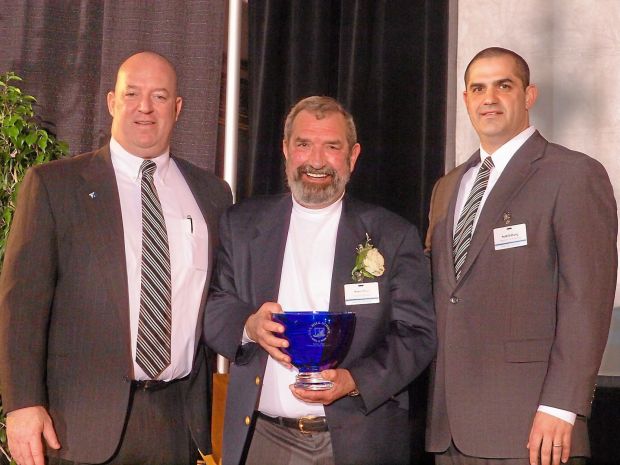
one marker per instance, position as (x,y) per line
(307,424)
(154,384)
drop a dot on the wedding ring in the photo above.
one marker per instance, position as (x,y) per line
(557,445)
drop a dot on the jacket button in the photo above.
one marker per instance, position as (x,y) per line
(247,421)
(257,380)
(454,300)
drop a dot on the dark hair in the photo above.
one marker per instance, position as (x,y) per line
(522,69)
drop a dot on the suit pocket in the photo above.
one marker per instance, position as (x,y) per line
(527,350)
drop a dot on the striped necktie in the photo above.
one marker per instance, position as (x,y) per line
(465,226)
(155,320)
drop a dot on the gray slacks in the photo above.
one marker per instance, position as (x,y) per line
(279,445)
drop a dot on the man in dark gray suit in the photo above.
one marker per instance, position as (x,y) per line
(523,250)
(297,252)
(101,246)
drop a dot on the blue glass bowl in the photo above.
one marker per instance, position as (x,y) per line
(317,340)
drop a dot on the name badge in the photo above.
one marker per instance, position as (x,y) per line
(510,236)
(361,293)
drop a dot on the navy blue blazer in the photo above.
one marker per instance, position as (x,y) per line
(394,339)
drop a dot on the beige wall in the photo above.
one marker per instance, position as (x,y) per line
(573,49)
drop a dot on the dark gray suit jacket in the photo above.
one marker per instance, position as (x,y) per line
(394,339)
(64,309)
(523,326)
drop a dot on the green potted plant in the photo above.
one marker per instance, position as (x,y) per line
(23,142)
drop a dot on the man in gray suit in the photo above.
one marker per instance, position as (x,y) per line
(297,252)
(523,249)
(103,244)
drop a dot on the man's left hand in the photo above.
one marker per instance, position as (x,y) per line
(343,384)
(550,440)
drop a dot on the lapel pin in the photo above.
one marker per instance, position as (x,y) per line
(507,217)
(92,195)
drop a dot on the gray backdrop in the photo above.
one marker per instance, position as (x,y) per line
(68,51)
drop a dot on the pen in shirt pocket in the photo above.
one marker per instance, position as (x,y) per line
(191,224)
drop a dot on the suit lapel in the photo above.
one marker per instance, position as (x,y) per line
(448,263)
(514,176)
(351,231)
(103,212)
(267,249)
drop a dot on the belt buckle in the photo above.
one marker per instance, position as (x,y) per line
(300,423)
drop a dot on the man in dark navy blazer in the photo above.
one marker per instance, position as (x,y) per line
(297,252)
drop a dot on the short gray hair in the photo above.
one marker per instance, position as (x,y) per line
(320,106)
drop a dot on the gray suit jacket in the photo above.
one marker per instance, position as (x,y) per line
(394,339)
(64,309)
(523,326)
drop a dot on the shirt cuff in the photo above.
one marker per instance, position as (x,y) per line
(245,339)
(565,415)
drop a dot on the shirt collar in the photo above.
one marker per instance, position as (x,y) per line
(502,155)
(129,164)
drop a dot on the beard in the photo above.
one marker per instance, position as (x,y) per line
(310,194)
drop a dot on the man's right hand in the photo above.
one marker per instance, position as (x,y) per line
(260,328)
(24,427)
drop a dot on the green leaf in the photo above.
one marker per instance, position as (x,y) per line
(43,138)
(10,121)
(31,138)
(23,142)
(12,132)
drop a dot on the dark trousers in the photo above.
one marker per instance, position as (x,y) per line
(155,433)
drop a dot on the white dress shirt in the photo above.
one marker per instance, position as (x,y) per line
(305,285)
(501,157)
(188,243)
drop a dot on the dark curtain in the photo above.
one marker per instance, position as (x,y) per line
(68,52)
(385,60)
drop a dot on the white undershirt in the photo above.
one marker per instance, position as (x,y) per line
(501,157)
(188,243)
(305,285)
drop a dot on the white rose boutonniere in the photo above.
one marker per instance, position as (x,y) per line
(369,262)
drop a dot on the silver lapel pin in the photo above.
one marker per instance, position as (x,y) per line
(92,195)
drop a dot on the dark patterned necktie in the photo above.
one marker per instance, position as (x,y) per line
(155,321)
(465,226)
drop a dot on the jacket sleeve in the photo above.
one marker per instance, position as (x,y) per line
(585,230)
(226,313)
(27,286)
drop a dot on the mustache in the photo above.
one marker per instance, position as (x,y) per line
(307,169)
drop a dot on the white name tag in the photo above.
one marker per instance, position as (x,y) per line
(510,236)
(361,293)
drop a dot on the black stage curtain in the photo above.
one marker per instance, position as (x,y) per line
(68,52)
(384,60)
